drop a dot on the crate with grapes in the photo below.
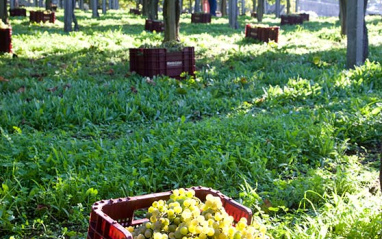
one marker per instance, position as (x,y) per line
(197,212)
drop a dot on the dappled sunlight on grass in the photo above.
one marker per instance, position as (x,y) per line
(295,133)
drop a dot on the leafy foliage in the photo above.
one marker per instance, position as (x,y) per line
(281,128)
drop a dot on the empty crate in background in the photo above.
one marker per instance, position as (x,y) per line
(262,33)
(201,18)
(18,12)
(109,218)
(159,61)
(135,11)
(294,19)
(154,25)
(41,16)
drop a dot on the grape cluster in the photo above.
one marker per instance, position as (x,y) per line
(184,216)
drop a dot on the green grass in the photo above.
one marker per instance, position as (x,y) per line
(283,128)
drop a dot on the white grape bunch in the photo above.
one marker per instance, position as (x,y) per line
(184,216)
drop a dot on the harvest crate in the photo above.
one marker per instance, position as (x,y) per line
(154,25)
(135,11)
(264,34)
(53,7)
(305,16)
(201,18)
(6,40)
(150,62)
(40,16)
(18,12)
(109,218)
(291,19)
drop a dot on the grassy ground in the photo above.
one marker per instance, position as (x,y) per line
(283,128)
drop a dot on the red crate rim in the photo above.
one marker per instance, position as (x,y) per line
(153,48)
(97,207)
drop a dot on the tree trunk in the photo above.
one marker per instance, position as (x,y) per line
(288,6)
(297,3)
(380,169)
(145,6)
(171,16)
(80,5)
(68,15)
(223,7)
(277,11)
(153,10)
(233,10)
(357,38)
(48,4)
(260,10)
(95,8)
(116,4)
(253,5)
(76,27)
(3,11)
(197,6)
(343,7)
(103,6)
(365,34)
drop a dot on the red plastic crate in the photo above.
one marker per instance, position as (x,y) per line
(154,25)
(291,19)
(200,18)
(109,218)
(305,16)
(18,12)
(6,40)
(49,17)
(53,7)
(264,34)
(151,62)
(40,16)
(135,11)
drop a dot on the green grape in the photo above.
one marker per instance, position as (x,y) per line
(241,225)
(148,233)
(172,228)
(171,235)
(182,191)
(141,236)
(148,224)
(183,230)
(178,235)
(202,236)
(237,235)
(178,209)
(170,213)
(177,221)
(210,232)
(157,235)
(186,203)
(190,193)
